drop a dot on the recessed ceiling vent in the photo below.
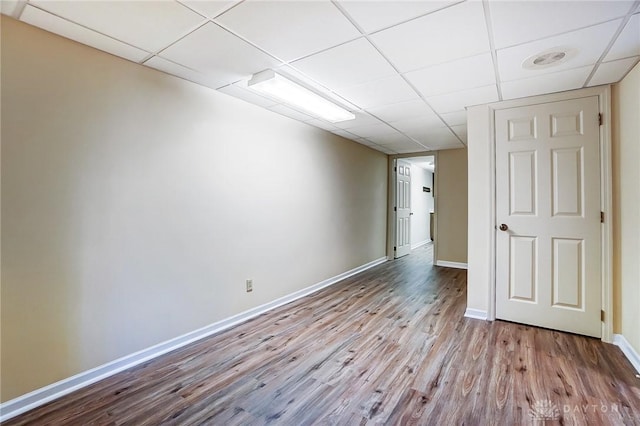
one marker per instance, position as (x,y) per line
(549,58)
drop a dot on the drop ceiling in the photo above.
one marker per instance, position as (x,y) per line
(407,69)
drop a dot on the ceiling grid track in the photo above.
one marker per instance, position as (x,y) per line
(407,70)
(613,40)
(27,3)
(366,36)
(492,46)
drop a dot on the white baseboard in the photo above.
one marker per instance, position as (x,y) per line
(628,350)
(476,314)
(448,264)
(420,244)
(53,391)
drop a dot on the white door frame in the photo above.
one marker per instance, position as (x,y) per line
(391,197)
(604,100)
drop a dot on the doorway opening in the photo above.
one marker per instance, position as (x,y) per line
(413,204)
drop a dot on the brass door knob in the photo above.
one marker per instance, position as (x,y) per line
(504,227)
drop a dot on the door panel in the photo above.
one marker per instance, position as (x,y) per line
(566,183)
(523,284)
(403,208)
(548,265)
(568,273)
(522,183)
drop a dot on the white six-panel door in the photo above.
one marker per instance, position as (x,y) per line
(403,208)
(548,266)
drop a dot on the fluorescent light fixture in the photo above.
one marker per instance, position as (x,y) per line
(272,84)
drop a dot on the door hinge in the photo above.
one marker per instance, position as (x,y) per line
(395,209)
(395,169)
(601,217)
(600,119)
(394,248)
(602,315)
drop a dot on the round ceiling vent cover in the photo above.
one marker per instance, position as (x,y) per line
(549,58)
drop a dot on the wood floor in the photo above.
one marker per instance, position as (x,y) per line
(388,346)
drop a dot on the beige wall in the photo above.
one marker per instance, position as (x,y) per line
(626,206)
(135,205)
(451,205)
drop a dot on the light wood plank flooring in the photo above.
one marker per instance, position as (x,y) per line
(388,346)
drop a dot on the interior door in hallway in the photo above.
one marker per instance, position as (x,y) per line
(548,242)
(403,208)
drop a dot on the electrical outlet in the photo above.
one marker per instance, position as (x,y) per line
(249,286)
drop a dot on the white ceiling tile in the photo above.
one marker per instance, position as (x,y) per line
(374,15)
(376,147)
(149,25)
(412,150)
(219,54)
(372,130)
(350,64)
(449,145)
(433,137)
(54,24)
(612,72)
(455,118)
(547,83)
(452,33)
(456,101)
(516,22)
(210,9)
(404,147)
(589,42)
(290,112)
(461,131)
(455,75)
(345,134)
(384,150)
(402,110)
(390,139)
(239,90)
(316,122)
(441,47)
(310,26)
(420,123)
(361,119)
(10,7)
(366,142)
(388,90)
(178,70)
(628,42)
